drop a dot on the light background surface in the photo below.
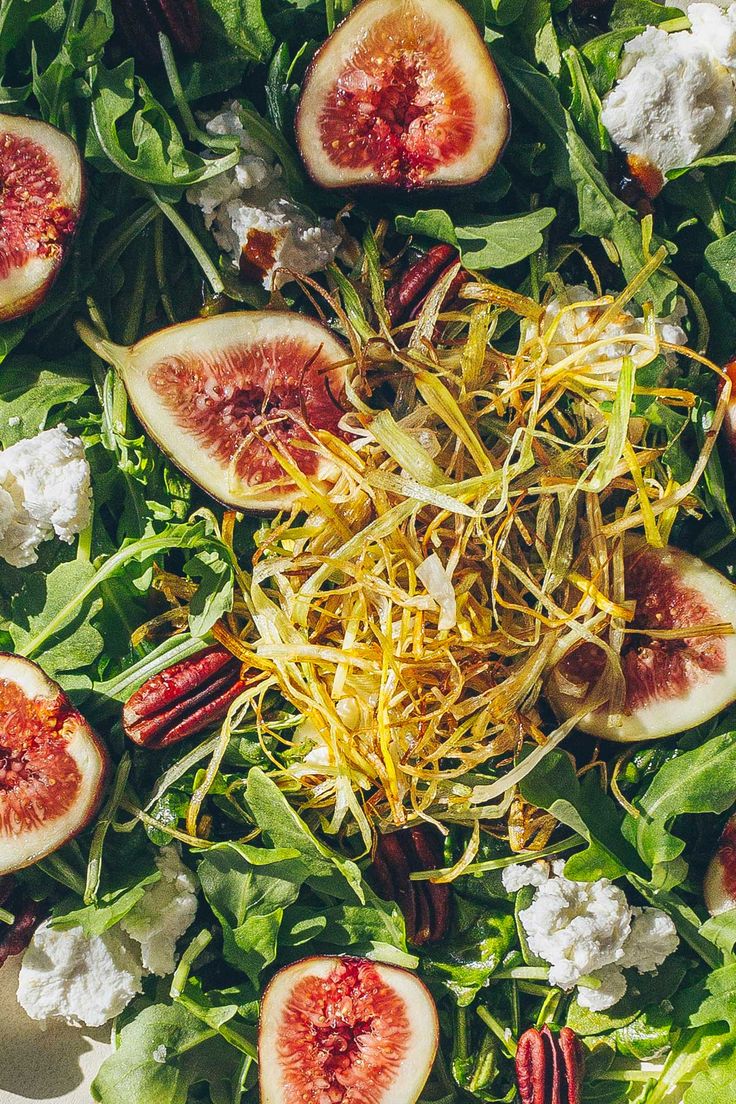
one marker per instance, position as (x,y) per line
(55,1066)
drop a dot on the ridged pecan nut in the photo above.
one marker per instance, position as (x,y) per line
(15,937)
(405,297)
(141,21)
(183,699)
(549,1069)
(426,906)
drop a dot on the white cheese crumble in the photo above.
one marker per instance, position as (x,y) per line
(67,976)
(675,98)
(253,218)
(163,914)
(519,875)
(588,930)
(569,330)
(45,490)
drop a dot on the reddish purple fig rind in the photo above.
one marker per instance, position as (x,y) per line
(27,913)
(366,88)
(53,766)
(43,190)
(671,684)
(231,396)
(349,1025)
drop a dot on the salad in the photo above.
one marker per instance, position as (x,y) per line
(368,589)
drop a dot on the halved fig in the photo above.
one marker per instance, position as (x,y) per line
(225,396)
(345,1030)
(673,682)
(719,885)
(404,94)
(42,189)
(52,766)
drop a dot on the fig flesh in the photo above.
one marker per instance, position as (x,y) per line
(404,94)
(719,884)
(345,1030)
(225,396)
(42,190)
(672,683)
(52,766)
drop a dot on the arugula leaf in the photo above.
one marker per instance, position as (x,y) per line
(240,23)
(248,889)
(32,390)
(162,1054)
(574,168)
(112,908)
(497,243)
(720,256)
(584,807)
(215,593)
(699,781)
(327,872)
(139,138)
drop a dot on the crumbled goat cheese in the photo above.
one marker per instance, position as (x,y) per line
(566,328)
(675,98)
(66,976)
(159,1054)
(163,914)
(588,930)
(45,489)
(519,875)
(253,217)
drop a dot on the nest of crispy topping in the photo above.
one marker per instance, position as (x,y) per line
(474,532)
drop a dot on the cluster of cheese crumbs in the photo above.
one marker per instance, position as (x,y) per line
(86,981)
(587,931)
(254,218)
(45,490)
(675,99)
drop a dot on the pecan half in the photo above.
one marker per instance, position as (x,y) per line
(549,1069)
(183,699)
(141,22)
(15,937)
(407,294)
(426,906)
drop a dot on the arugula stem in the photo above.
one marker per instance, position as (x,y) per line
(190,239)
(94,867)
(6,917)
(195,133)
(63,872)
(159,259)
(503,1034)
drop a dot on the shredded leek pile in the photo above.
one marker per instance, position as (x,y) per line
(475,532)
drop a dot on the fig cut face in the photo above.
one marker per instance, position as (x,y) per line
(42,190)
(403,94)
(345,1030)
(225,396)
(719,884)
(52,766)
(672,684)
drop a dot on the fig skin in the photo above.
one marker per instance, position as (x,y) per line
(21,291)
(719,884)
(316,159)
(206,339)
(707,691)
(81,743)
(422,1014)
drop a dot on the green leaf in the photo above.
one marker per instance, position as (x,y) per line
(30,389)
(327,871)
(699,781)
(720,256)
(248,889)
(641,14)
(215,593)
(112,907)
(240,23)
(162,1054)
(34,609)
(497,243)
(584,807)
(575,169)
(139,137)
